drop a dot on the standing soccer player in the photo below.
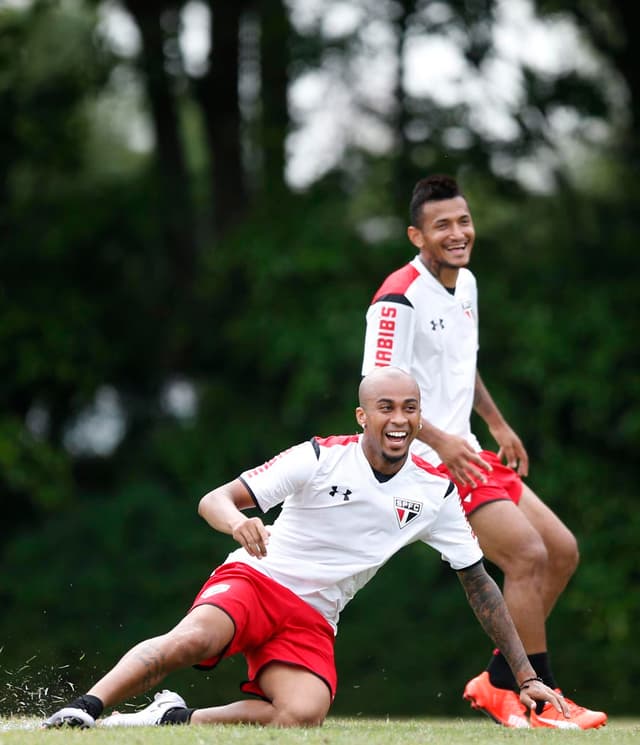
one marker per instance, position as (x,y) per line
(350,503)
(424,319)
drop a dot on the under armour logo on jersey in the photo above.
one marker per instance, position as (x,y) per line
(343,491)
(437,324)
(406,510)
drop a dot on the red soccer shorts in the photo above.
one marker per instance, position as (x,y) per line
(272,624)
(503,483)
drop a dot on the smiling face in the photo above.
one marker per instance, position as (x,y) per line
(444,237)
(389,413)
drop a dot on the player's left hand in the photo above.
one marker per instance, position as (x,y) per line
(536,690)
(512,451)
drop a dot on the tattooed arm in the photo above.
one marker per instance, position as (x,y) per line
(487,603)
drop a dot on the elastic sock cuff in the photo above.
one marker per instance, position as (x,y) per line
(177,715)
(91,704)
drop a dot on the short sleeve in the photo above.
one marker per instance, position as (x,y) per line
(389,335)
(281,476)
(453,536)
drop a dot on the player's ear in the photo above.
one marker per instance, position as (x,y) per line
(361,417)
(415,236)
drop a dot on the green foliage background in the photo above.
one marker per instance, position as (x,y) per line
(99,551)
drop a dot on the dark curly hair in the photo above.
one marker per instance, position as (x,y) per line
(431,189)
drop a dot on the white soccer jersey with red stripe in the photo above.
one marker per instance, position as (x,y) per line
(339,524)
(415,324)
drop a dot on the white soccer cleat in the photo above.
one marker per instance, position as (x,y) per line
(150,715)
(70,716)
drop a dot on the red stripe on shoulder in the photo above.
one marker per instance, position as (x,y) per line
(398,282)
(327,442)
(426,466)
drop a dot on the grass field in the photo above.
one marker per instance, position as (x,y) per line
(336,731)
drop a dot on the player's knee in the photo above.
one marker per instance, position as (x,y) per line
(300,714)
(187,646)
(565,555)
(529,560)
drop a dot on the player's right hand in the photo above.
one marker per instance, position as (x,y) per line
(464,463)
(253,536)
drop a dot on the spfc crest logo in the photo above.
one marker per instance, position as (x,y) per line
(406,510)
(466,309)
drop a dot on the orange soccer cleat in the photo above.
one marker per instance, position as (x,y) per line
(502,705)
(579,717)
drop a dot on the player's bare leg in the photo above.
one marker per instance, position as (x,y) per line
(561,545)
(510,541)
(537,555)
(298,698)
(203,633)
